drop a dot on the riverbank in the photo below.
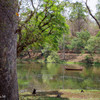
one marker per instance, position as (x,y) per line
(69,57)
(66,94)
(60,62)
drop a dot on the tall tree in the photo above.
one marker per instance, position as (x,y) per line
(77,17)
(8,43)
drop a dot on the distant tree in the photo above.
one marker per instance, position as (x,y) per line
(98,11)
(77,17)
(93,44)
(93,47)
(79,42)
(8,44)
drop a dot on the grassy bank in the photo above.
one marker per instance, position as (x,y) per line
(67,94)
(97,64)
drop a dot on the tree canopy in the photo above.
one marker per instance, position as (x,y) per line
(43,25)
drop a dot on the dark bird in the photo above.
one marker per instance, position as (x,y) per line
(82,91)
(34,91)
(58,96)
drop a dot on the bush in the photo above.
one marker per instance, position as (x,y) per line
(53,57)
(88,60)
(78,43)
(93,45)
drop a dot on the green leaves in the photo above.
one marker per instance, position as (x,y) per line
(44,27)
(80,41)
(93,44)
(77,11)
(98,10)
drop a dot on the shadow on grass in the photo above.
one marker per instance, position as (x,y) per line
(47,95)
(53,98)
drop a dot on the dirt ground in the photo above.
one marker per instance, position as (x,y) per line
(70,57)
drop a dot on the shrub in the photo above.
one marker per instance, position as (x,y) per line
(88,60)
(53,57)
(79,42)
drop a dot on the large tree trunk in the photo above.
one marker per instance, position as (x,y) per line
(8,44)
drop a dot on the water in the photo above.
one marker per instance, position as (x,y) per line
(52,76)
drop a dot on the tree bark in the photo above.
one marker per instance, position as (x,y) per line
(8,44)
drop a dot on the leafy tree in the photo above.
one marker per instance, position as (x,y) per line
(77,17)
(93,44)
(43,26)
(80,41)
(98,10)
(8,39)
(93,47)
(77,11)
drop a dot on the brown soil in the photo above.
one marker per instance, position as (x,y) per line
(70,57)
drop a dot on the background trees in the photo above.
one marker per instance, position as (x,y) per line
(98,10)
(79,42)
(77,17)
(43,23)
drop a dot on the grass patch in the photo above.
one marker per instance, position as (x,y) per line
(66,94)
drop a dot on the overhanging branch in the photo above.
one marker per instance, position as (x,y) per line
(92,14)
(26,21)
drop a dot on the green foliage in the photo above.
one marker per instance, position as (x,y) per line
(79,42)
(88,60)
(93,44)
(98,34)
(47,49)
(53,57)
(98,10)
(40,98)
(44,27)
(77,11)
(49,53)
(84,35)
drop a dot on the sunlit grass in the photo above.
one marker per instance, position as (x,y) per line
(66,94)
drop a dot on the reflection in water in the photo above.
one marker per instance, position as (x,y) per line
(52,76)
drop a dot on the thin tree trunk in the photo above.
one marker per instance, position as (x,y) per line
(8,44)
(28,52)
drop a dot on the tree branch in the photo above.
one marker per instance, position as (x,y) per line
(92,14)
(47,21)
(19,4)
(28,18)
(33,5)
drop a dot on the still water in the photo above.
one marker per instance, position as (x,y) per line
(52,76)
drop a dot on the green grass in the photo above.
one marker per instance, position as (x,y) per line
(67,94)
